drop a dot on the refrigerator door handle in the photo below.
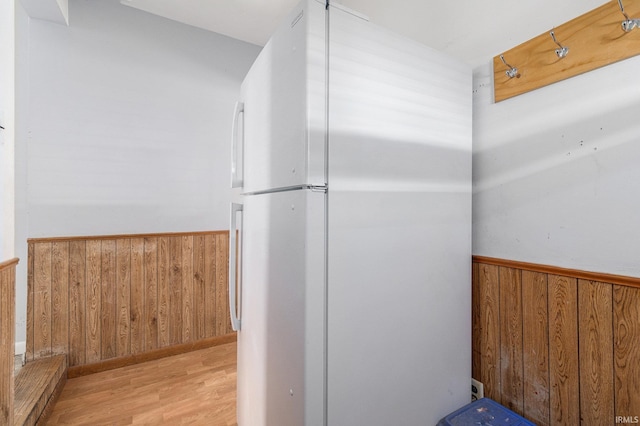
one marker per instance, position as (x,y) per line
(233,265)
(236,172)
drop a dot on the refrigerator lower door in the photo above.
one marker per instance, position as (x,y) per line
(399,308)
(280,345)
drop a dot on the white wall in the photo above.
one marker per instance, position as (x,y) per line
(125,117)
(7,114)
(129,96)
(20,199)
(557,172)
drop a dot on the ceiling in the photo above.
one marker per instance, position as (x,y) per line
(252,21)
(472,31)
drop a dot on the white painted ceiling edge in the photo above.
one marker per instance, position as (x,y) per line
(48,10)
(472,31)
(252,21)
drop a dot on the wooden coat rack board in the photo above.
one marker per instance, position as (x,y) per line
(593,40)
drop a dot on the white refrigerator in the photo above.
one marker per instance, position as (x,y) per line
(350,262)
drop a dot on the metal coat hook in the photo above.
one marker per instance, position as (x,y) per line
(563,51)
(628,24)
(512,71)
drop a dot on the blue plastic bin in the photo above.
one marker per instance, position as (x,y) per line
(484,412)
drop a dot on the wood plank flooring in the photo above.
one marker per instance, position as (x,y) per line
(196,388)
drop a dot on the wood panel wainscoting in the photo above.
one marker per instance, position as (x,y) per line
(558,346)
(7,338)
(109,301)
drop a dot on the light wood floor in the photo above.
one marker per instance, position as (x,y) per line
(197,388)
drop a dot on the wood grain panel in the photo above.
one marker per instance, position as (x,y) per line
(476,324)
(596,352)
(164,293)
(223,319)
(626,310)
(489,299)
(199,331)
(123,296)
(7,337)
(93,303)
(557,270)
(535,349)
(77,306)
(137,296)
(29,353)
(42,301)
(108,301)
(210,287)
(187,288)
(563,351)
(60,297)
(100,298)
(175,290)
(511,366)
(151,293)
(580,342)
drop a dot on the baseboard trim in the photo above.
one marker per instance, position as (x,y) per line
(556,270)
(110,364)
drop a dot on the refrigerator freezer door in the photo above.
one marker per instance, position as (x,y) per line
(280,345)
(399,263)
(284,105)
(237,174)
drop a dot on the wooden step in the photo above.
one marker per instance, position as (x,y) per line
(37,386)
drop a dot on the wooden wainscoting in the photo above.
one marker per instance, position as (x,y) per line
(7,338)
(100,298)
(558,346)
